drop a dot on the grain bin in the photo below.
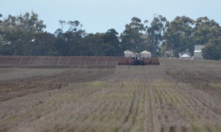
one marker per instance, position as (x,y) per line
(145,54)
(128,53)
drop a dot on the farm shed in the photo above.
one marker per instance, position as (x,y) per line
(185,56)
(145,54)
(198,51)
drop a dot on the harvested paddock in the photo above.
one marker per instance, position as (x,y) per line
(176,96)
(58,61)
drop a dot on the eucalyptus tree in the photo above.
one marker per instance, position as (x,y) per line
(205,30)
(112,43)
(19,31)
(43,44)
(179,35)
(155,34)
(69,38)
(132,36)
(212,49)
(94,45)
(102,44)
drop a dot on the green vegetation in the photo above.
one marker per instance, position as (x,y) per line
(25,35)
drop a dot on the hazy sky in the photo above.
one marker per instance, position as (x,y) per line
(101,15)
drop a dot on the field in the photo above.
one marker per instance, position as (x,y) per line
(175,96)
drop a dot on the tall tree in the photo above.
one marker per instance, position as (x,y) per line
(43,44)
(18,32)
(132,36)
(112,43)
(178,36)
(69,41)
(31,22)
(94,45)
(212,49)
(102,44)
(155,34)
(205,30)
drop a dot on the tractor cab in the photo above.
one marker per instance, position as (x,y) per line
(138,60)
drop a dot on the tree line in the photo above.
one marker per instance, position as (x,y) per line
(25,35)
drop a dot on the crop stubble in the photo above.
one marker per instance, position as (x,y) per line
(177,96)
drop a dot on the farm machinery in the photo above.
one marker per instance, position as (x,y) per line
(142,58)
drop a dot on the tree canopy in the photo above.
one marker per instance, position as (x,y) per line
(26,35)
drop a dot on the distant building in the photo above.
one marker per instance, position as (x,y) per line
(198,51)
(185,56)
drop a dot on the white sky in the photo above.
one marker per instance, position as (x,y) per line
(101,15)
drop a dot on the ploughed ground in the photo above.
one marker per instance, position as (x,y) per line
(176,96)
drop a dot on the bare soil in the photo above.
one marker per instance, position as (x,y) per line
(176,96)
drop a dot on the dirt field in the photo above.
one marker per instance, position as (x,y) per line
(176,96)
